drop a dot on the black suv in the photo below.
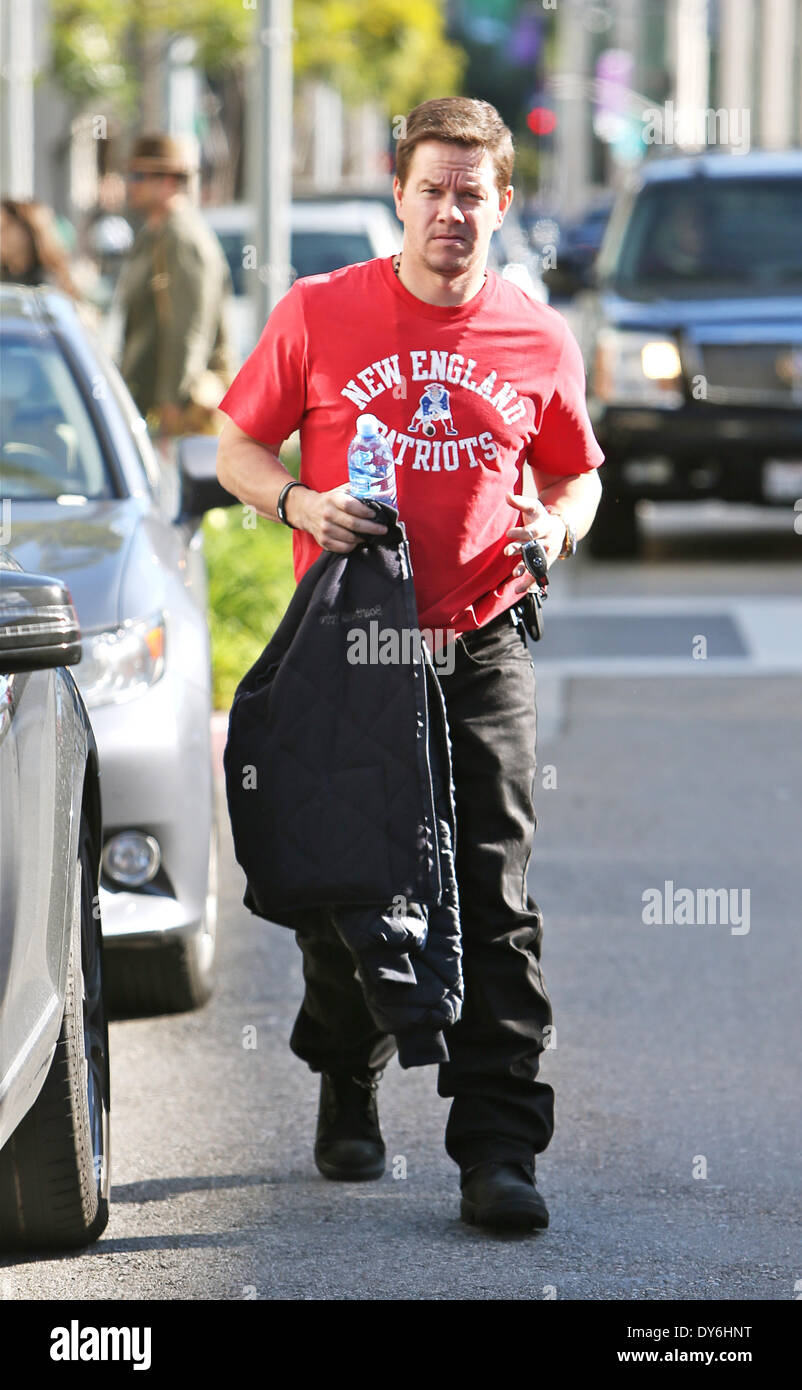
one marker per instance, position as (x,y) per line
(692,338)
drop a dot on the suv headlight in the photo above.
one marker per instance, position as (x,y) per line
(121,662)
(637,369)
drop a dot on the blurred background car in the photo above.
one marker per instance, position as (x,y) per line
(90,501)
(693,338)
(54,1043)
(324,236)
(577,244)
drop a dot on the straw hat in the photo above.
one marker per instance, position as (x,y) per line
(163,154)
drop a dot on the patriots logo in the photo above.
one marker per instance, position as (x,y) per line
(434,406)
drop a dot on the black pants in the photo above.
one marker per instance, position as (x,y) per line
(499,1111)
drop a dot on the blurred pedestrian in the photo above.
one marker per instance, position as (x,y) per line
(31,250)
(173,291)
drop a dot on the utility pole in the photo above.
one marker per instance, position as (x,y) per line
(16,99)
(270,153)
(572,150)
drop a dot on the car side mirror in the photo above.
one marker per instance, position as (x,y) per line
(39,627)
(201,489)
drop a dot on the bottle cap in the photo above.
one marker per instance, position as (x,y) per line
(367,426)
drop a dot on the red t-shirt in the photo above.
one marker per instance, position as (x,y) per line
(465,395)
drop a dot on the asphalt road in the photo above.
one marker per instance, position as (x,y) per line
(674,1169)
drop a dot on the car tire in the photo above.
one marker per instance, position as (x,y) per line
(168,979)
(614,534)
(55,1168)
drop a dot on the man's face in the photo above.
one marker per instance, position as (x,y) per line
(144,193)
(450,207)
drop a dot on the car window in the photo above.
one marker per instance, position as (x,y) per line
(137,426)
(311,253)
(48,445)
(233,244)
(714,236)
(315,253)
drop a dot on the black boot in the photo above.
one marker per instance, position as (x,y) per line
(503,1197)
(349,1146)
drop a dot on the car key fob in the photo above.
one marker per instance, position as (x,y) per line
(536,562)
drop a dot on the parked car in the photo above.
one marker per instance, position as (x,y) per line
(54,1044)
(577,244)
(692,338)
(90,501)
(323,236)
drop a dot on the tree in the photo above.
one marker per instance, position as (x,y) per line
(393,51)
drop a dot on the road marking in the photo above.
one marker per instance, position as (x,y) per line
(759,636)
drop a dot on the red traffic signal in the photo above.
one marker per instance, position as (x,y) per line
(541,120)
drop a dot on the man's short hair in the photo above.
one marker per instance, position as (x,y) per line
(458,121)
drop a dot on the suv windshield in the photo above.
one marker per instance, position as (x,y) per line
(713,237)
(48,444)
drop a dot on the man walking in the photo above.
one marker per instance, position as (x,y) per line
(173,290)
(431,338)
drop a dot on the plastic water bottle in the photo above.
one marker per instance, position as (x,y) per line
(371,466)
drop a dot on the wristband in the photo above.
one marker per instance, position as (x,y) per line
(280,508)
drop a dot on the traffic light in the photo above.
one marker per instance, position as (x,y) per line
(541,120)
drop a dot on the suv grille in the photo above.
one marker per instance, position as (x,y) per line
(754,373)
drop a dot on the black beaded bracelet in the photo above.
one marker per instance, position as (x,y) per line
(281,513)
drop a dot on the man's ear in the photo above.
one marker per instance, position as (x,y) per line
(504,204)
(398,194)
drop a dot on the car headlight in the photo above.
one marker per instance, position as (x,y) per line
(637,369)
(121,662)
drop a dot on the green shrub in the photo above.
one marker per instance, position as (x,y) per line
(250,584)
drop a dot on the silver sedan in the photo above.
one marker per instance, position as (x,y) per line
(86,497)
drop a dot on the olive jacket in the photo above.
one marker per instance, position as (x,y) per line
(168,351)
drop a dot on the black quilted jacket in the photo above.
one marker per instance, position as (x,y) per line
(338,779)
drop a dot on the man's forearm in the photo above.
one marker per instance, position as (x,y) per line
(256,475)
(575,498)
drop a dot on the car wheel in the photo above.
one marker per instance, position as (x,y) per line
(170,979)
(614,534)
(55,1168)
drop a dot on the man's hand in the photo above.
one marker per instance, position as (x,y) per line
(335,519)
(253,471)
(539,525)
